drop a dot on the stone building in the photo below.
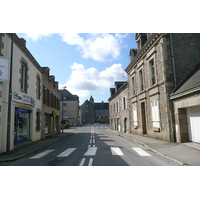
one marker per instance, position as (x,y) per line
(94,112)
(119,107)
(158,65)
(51,105)
(186,98)
(70,107)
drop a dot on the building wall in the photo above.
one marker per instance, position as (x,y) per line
(33,71)
(181,122)
(119,117)
(175,55)
(51,103)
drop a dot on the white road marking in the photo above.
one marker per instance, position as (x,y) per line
(93,145)
(93,140)
(116,151)
(91,151)
(90,140)
(141,152)
(66,152)
(90,162)
(41,154)
(82,162)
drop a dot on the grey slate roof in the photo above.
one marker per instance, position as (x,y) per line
(190,84)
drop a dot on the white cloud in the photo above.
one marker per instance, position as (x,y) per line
(36,36)
(83,82)
(100,47)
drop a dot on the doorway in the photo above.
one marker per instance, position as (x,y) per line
(125,125)
(143,111)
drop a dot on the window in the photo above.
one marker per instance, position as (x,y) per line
(124,103)
(152,72)
(135,119)
(64,112)
(38,88)
(141,79)
(133,84)
(155,113)
(117,106)
(24,77)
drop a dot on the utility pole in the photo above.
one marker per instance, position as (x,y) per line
(9,98)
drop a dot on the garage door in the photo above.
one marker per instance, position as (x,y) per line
(193,115)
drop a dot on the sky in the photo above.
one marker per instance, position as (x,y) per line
(88,64)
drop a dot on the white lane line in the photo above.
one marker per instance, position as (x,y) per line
(66,152)
(41,154)
(82,162)
(90,162)
(141,152)
(116,151)
(91,151)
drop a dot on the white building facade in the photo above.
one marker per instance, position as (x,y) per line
(26,104)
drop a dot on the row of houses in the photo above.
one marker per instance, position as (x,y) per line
(161,97)
(34,111)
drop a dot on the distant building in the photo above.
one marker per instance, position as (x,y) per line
(94,112)
(70,107)
(119,107)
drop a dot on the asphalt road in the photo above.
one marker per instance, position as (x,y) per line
(93,145)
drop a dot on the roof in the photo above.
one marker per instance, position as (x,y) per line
(99,106)
(190,84)
(69,96)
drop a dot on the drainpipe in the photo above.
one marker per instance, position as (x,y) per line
(9,99)
(175,84)
(173,63)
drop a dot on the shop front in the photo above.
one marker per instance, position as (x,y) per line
(22,119)
(22,126)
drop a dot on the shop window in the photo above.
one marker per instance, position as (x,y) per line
(22,126)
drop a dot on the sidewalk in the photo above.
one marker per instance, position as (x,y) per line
(32,147)
(184,153)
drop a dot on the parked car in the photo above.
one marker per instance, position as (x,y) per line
(64,124)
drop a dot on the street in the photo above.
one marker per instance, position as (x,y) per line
(93,145)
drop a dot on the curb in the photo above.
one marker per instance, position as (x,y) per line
(23,155)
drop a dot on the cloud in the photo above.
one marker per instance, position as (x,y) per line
(36,36)
(83,82)
(100,46)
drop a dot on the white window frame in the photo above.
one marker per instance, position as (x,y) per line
(135,117)
(155,113)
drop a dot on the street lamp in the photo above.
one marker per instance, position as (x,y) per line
(62,107)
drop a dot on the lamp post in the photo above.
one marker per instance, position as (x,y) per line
(62,107)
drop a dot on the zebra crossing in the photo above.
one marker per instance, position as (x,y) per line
(86,127)
(91,151)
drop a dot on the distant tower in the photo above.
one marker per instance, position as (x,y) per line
(91,100)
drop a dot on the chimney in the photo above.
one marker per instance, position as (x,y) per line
(52,78)
(132,53)
(46,70)
(23,41)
